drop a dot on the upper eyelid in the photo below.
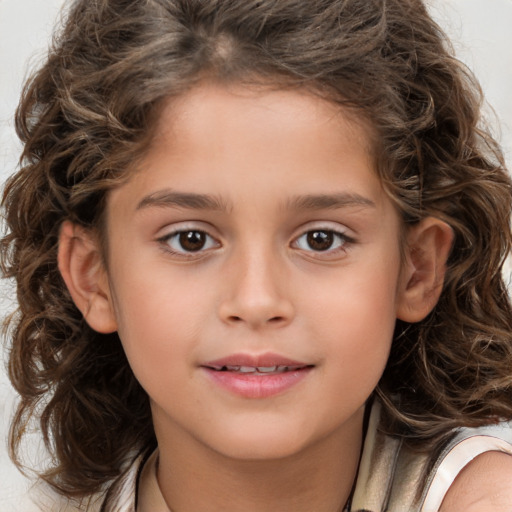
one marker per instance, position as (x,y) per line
(341,234)
(170,234)
(188,225)
(333,226)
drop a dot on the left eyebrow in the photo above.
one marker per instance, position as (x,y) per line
(328,201)
(188,200)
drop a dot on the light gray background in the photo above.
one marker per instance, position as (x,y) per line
(481,31)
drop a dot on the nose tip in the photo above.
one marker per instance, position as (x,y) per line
(257,298)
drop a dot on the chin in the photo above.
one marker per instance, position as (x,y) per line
(259,443)
(260,451)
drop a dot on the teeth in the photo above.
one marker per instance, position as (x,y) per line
(267,369)
(257,369)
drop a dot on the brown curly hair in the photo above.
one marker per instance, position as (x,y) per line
(88,114)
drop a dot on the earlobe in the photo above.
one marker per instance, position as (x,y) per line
(81,267)
(428,247)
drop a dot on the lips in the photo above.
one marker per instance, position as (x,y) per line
(256,376)
(266,360)
(257,370)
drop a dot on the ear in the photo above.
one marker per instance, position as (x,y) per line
(428,247)
(83,271)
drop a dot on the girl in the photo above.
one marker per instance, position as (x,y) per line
(258,248)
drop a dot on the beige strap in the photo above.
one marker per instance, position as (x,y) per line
(121,495)
(150,498)
(390,474)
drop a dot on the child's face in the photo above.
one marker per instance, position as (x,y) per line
(255,232)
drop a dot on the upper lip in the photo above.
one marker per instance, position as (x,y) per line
(261,360)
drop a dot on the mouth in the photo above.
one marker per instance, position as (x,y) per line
(256,376)
(258,370)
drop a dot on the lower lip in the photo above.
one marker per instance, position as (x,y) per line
(257,386)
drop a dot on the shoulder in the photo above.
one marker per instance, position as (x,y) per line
(484,485)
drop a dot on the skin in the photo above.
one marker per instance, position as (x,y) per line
(482,486)
(274,166)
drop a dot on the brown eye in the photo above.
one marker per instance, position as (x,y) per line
(320,240)
(188,241)
(192,241)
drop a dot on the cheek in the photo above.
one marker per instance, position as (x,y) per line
(357,319)
(359,298)
(151,297)
(159,322)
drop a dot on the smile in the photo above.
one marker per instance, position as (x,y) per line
(257,370)
(256,376)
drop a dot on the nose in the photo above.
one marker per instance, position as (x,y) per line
(256,293)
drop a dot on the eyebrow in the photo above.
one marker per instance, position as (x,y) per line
(328,201)
(189,200)
(193,201)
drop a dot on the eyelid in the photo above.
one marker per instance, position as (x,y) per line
(319,225)
(187,225)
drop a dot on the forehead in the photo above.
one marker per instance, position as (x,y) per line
(291,112)
(235,141)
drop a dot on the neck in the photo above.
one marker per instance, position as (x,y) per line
(194,478)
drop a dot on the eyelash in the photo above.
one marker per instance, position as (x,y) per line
(332,236)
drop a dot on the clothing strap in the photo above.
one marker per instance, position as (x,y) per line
(122,494)
(390,474)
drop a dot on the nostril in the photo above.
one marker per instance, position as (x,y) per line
(272,320)
(256,313)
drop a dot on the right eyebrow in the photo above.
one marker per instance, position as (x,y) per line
(188,200)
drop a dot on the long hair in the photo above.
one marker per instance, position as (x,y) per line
(88,114)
